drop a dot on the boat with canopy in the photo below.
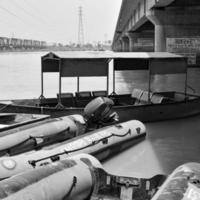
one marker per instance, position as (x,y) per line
(144,105)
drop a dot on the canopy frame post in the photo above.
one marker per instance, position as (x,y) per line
(59,105)
(107,84)
(113,80)
(113,92)
(186,79)
(42,84)
(149,83)
(78,84)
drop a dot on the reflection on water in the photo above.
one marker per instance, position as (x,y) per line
(168,143)
(139,79)
(20,77)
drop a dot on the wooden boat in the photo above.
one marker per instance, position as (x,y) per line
(40,134)
(140,105)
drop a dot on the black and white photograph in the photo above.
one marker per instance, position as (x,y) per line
(100,100)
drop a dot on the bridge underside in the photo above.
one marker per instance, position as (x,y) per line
(167,25)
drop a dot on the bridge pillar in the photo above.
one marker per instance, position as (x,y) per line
(132,40)
(172,23)
(125,44)
(119,45)
(160,38)
(141,41)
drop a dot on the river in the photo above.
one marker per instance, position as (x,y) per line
(168,144)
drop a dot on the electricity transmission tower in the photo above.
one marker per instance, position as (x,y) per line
(80,28)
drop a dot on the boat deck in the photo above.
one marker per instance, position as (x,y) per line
(81,99)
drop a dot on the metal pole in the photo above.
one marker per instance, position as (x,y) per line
(59,105)
(78,86)
(149,88)
(42,83)
(42,90)
(113,80)
(60,84)
(186,77)
(107,82)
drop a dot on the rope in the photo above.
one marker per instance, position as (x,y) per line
(71,188)
(193,90)
(95,142)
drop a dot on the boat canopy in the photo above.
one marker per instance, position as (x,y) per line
(155,62)
(95,63)
(74,64)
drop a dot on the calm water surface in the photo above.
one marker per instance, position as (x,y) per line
(168,144)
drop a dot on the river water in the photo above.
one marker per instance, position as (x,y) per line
(168,144)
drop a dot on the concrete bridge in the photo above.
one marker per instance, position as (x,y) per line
(159,25)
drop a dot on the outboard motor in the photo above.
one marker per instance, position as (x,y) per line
(99,112)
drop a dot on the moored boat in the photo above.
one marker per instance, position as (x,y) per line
(36,135)
(101,143)
(182,184)
(71,178)
(144,105)
(78,177)
(83,177)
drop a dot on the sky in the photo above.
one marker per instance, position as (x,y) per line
(57,20)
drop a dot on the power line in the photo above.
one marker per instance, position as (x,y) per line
(40,17)
(30,14)
(31,6)
(17,17)
(11,13)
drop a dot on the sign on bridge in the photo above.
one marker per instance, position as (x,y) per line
(188,47)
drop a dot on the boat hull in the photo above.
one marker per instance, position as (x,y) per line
(101,143)
(145,113)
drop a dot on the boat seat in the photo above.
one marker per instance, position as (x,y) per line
(144,99)
(65,95)
(100,93)
(136,94)
(67,99)
(48,102)
(125,99)
(83,98)
(156,99)
(83,94)
(179,97)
